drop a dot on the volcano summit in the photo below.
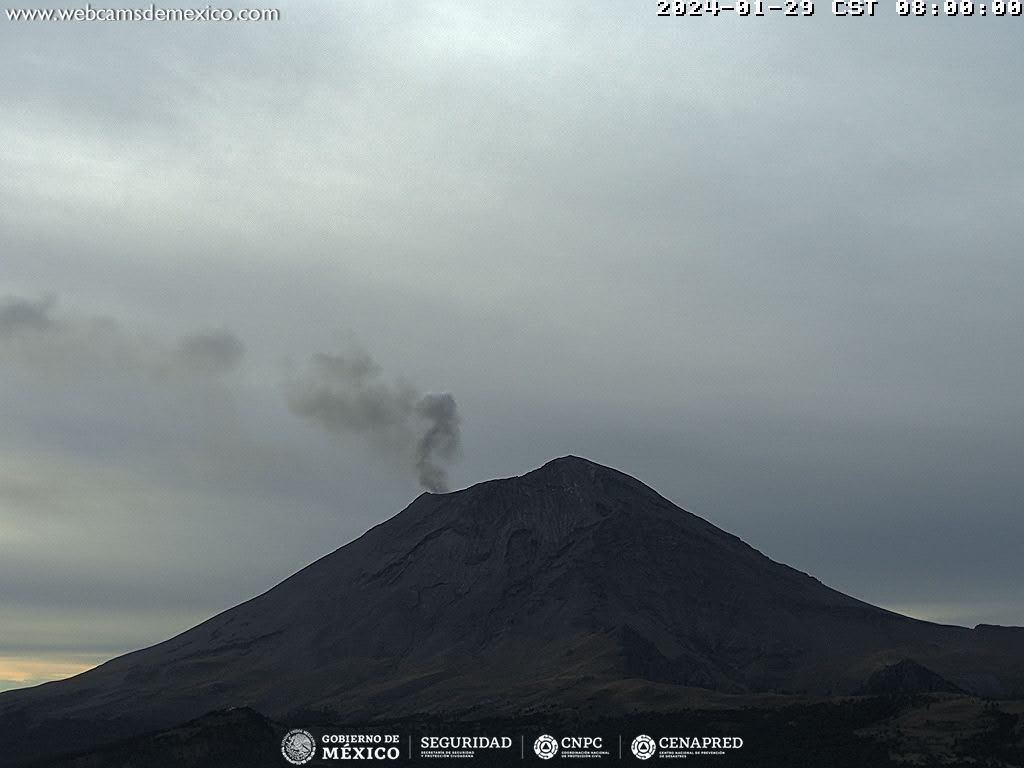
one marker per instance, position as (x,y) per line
(572,586)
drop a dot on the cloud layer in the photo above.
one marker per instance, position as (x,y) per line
(770,268)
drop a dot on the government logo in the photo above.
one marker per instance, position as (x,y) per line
(644,747)
(546,747)
(298,746)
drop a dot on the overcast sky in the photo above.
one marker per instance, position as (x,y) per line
(770,266)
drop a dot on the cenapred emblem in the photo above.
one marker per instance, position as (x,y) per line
(546,747)
(644,747)
(298,746)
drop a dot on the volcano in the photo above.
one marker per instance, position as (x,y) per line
(573,585)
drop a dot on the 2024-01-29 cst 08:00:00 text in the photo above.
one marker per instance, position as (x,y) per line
(965,8)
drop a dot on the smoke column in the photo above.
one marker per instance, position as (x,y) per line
(347,394)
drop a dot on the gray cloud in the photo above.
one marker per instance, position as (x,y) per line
(34,334)
(215,351)
(19,314)
(349,394)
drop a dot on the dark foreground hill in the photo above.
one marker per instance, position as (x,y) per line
(574,587)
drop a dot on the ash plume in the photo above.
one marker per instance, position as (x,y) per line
(34,333)
(348,394)
(213,351)
(18,314)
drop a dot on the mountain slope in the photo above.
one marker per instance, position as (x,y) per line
(572,584)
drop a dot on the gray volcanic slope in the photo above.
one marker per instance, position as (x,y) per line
(574,584)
